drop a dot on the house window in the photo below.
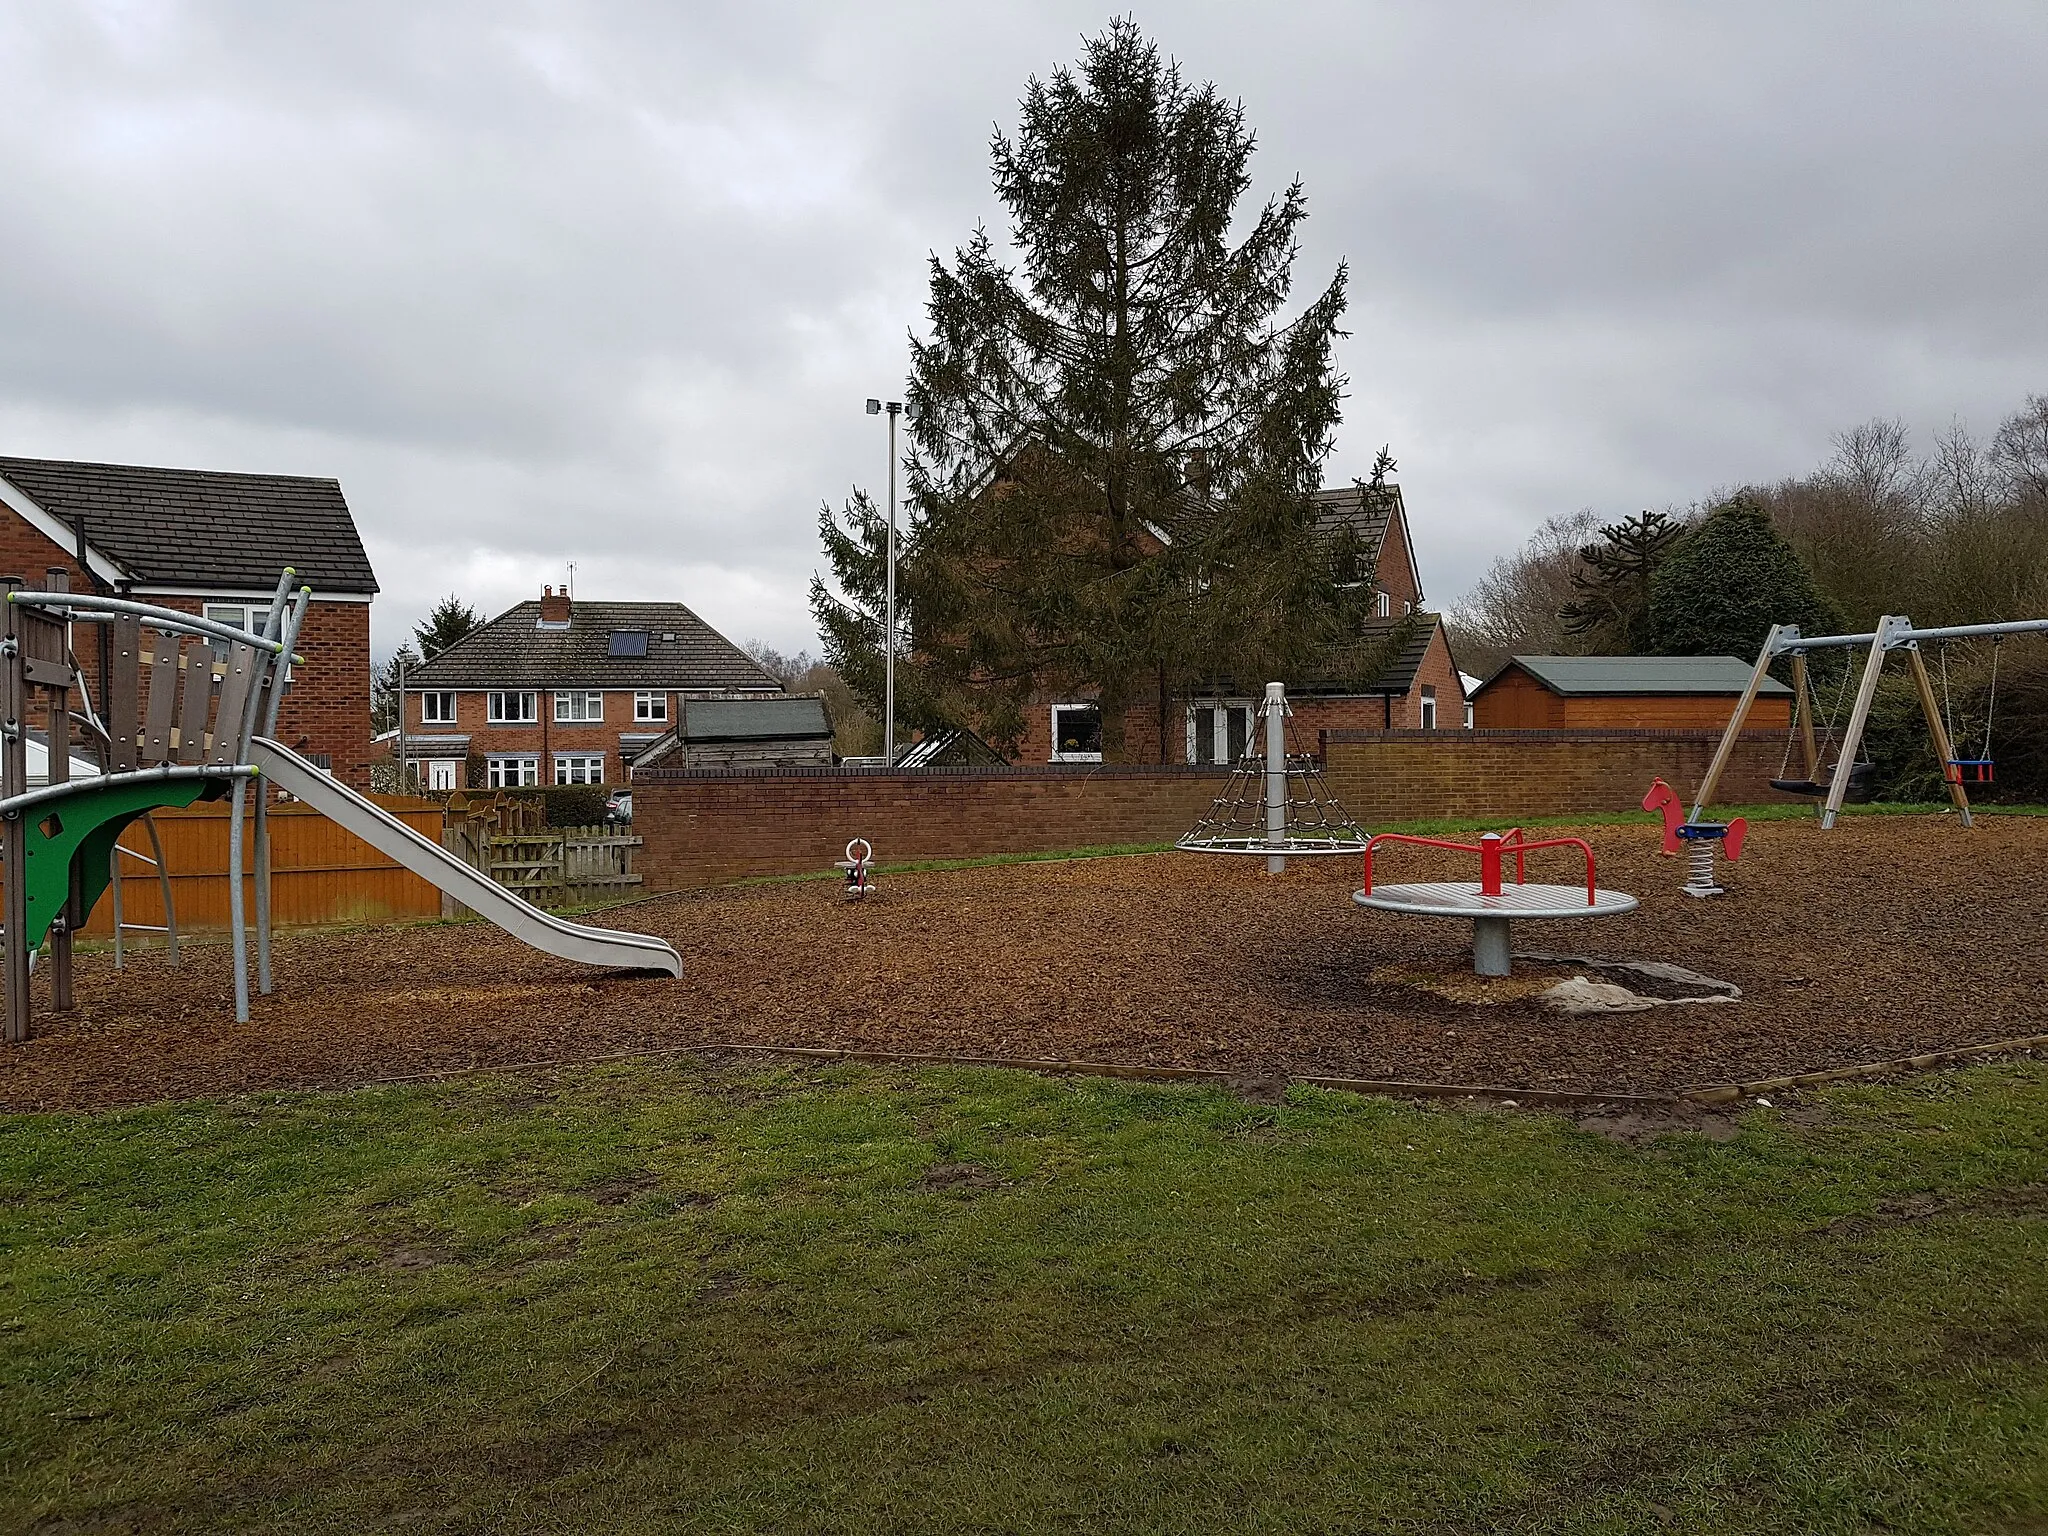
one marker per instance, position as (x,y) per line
(437,709)
(1383,605)
(513,772)
(1219,731)
(1077,733)
(579,768)
(442,773)
(243,616)
(513,709)
(1428,708)
(650,706)
(579,707)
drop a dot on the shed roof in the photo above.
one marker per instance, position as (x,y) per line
(513,651)
(789,719)
(197,527)
(1590,676)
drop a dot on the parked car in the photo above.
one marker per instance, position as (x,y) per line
(619,805)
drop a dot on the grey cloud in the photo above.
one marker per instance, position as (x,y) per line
(607,282)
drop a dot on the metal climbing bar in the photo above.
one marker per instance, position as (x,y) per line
(1491,848)
(159,618)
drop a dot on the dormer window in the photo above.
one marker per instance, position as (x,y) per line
(629,642)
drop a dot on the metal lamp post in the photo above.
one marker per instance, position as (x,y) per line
(894,408)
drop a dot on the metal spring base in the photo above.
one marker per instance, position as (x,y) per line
(1699,880)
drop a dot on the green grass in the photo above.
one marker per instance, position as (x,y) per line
(653,1297)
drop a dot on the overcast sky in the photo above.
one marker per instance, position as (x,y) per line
(608,283)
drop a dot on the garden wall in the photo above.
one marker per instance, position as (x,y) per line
(1412,775)
(702,828)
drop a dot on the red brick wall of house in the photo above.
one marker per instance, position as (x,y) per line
(704,828)
(1395,573)
(328,707)
(1410,775)
(547,736)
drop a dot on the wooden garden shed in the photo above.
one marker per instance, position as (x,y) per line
(1624,693)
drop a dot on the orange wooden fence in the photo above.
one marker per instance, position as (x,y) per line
(319,872)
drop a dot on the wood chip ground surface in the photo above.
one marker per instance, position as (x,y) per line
(1882,938)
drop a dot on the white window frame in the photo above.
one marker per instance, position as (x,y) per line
(1428,707)
(650,706)
(494,707)
(591,701)
(1383,605)
(437,707)
(524,770)
(567,764)
(247,617)
(444,773)
(1219,724)
(1072,757)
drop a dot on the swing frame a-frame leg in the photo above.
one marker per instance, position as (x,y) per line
(1882,645)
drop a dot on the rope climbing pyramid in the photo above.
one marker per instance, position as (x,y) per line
(1275,803)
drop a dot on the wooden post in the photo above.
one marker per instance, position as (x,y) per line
(1729,737)
(1944,749)
(14,828)
(1859,716)
(1802,700)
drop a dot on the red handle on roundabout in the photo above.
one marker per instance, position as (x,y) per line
(1490,847)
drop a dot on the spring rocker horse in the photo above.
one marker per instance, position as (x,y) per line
(1699,837)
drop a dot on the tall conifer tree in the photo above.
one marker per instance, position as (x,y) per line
(1117,437)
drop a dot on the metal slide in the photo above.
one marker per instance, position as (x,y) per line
(482,895)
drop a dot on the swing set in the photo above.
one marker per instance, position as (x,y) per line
(1848,777)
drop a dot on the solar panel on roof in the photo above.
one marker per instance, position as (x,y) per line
(629,642)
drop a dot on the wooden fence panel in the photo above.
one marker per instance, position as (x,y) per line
(320,872)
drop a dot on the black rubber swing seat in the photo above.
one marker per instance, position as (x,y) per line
(1857,793)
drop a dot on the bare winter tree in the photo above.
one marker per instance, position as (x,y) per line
(1517,605)
(2019,451)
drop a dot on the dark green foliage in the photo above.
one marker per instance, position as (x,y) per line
(566,805)
(451,620)
(1719,591)
(1610,609)
(1898,743)
(1117,438)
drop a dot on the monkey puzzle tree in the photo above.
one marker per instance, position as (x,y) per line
(1118,437)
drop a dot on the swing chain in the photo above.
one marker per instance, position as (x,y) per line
(1991,696)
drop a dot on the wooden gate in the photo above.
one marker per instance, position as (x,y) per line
(549,866)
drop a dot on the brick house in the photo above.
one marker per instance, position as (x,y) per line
(564,692)
(1414,682)
(211,544)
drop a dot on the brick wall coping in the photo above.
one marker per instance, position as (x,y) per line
(1581,734)
(1040,771)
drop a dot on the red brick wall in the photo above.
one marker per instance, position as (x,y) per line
(703,828)
(547,736)
(1410,775)
(1395,573)
(328,707)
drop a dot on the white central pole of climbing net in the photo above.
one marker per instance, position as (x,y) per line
(1276,774)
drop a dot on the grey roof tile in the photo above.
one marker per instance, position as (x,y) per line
(1579,676)
(203,528)
(511,652)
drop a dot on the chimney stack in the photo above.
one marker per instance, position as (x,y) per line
(554,606)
